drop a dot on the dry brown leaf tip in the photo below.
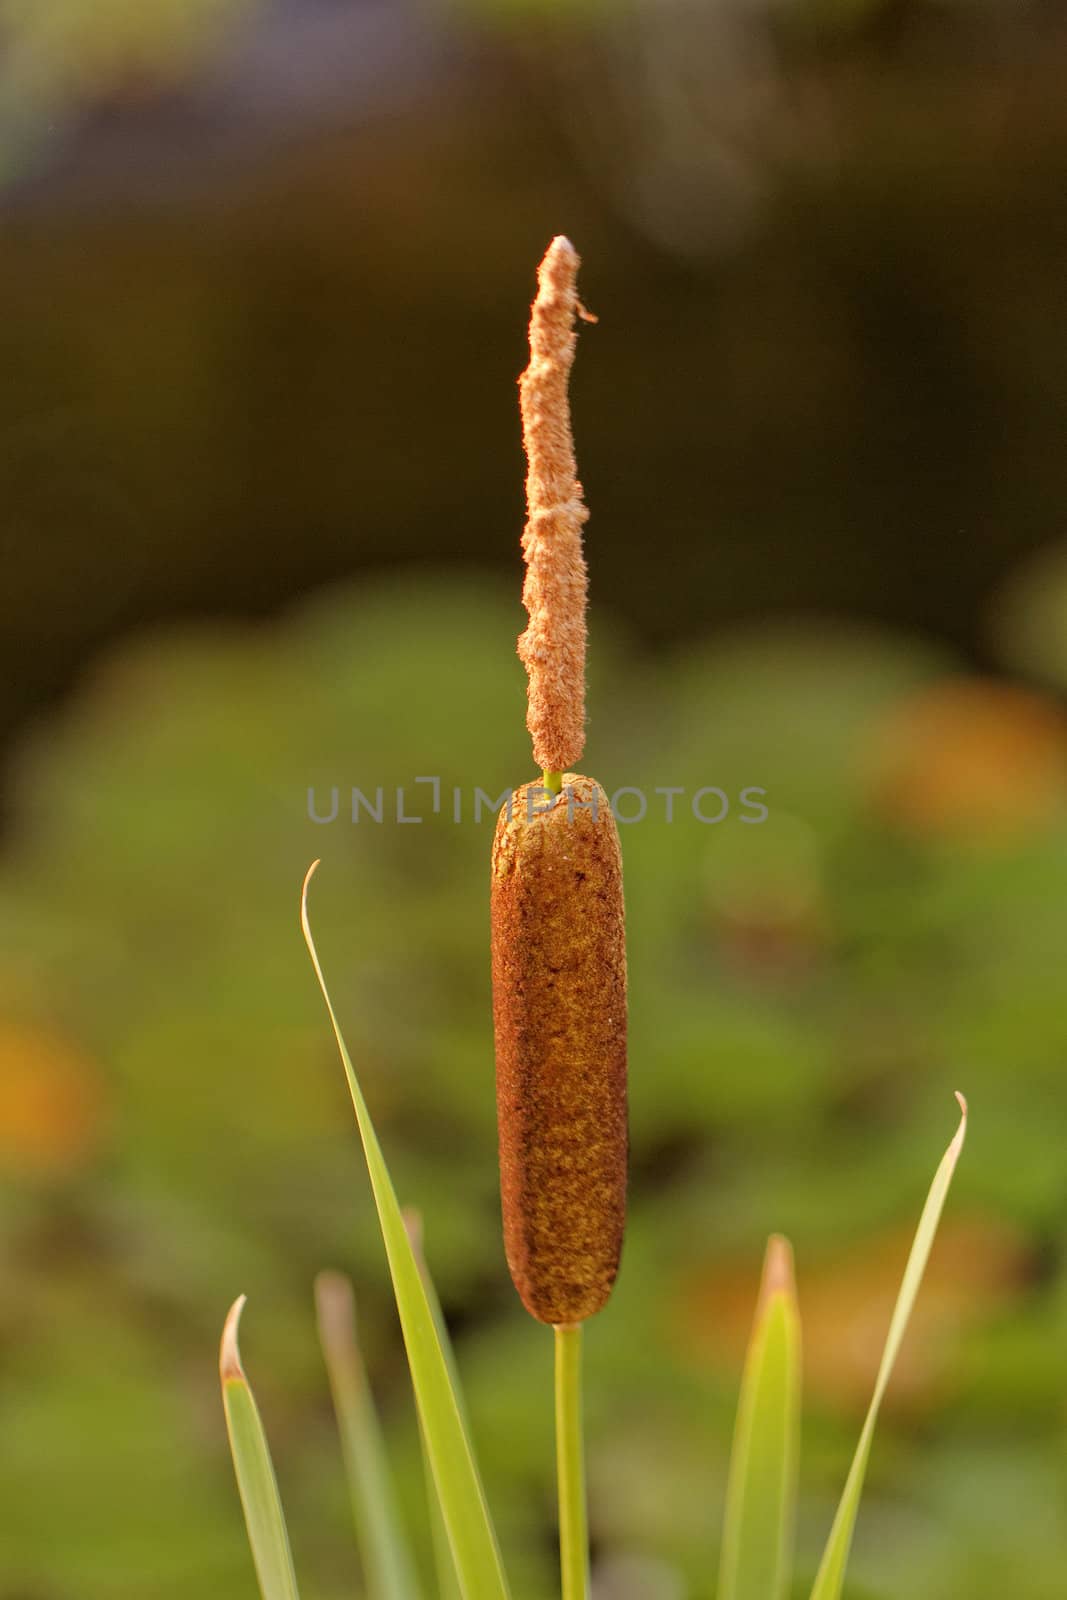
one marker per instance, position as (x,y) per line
(553,646)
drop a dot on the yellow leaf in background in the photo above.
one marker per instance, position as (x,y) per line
(52,1102)
(970,759)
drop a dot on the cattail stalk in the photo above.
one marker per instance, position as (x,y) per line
(570,1464)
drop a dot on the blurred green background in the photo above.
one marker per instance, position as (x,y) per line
(264,275)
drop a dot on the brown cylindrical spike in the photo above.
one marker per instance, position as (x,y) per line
(559,1012)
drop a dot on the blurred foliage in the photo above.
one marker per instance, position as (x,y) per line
(806,994)
(61,58)
(829,277)
(86,40)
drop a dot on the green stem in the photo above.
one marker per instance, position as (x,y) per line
(570,1463)
(552,781)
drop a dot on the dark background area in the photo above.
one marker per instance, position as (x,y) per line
(263,314)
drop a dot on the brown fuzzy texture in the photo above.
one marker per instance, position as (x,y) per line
(559,1010)
(554,593)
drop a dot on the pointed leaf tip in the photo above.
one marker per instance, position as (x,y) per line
(335,1305)
(829,1580)
(778,1274)
(308,875)
(229,1350)
(953,1152)
(757,1541)
(256,1483)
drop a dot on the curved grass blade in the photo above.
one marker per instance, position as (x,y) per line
(455,1473)
(412,1218)
(830,1578)
(757,1543)
(387,1564)
(444,1567)
(256,1482)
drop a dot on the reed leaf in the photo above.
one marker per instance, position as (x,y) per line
(757,1545)
(264,1517)
(444,1567)
(387,1563)
(830,1578)
(455,1473)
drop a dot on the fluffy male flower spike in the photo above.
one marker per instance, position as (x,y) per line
(553,645)
(558,933)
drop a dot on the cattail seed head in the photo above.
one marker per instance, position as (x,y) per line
(559,953)
(559,1012)
(554,594)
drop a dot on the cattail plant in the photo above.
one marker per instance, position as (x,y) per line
(558,934)
(559,1005)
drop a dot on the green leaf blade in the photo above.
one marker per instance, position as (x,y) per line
(455,1473)
(830,1578)
(256,1483)
(444,1567)
(387,1562)
(757,1545)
